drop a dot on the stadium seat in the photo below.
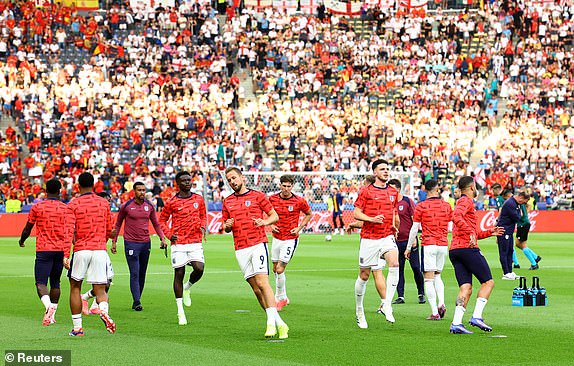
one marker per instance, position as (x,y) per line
(542,206)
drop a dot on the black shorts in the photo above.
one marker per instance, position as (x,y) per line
(468,262)
(522,232)
(49,265)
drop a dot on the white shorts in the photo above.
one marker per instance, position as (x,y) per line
(91,265)
(371,251)
(283,250)
(434,257)
(182,254)
(380,265)
(110,269)
(253,260)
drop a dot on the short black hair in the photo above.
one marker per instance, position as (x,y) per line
(105,195)
(378,162)
(53,186)
(140,184)
(465,182)
(181,174)
(431,184)
(86,180)
(505,192)
(395,183)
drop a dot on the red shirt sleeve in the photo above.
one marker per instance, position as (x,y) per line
(264,203)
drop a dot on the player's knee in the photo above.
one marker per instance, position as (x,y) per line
(364,274)
(279,269)
(489,283)
(198,267)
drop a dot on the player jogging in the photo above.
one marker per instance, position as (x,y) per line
(188,224)
(137,213)
(467,259)
(242,214)
(53,221)
(94,308)
(376,271)
(93,227)
(433,215)
(376,206)
(285,232)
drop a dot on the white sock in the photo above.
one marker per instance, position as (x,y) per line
(383,301)
(392,281)
(104,306)
(77,320)
(431,295)
(278,320)
(187,285)
(479,307)
(179,302)
(458,314)
(46,301)
(281,292)
(88,295)
(273,317)
(360,288)
(439,287)
(55,306)
(94,304)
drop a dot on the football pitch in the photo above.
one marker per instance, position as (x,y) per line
(226,324)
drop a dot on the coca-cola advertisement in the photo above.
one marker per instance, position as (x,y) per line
(541,221)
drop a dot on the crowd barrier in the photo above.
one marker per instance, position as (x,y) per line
(541,221)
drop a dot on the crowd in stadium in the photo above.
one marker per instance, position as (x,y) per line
(132,95)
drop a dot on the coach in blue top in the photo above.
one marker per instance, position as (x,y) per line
(510,214)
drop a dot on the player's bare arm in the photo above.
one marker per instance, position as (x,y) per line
(497,231)
(306,219)
(359,215)
(354,225)
(25,234)
(271,219)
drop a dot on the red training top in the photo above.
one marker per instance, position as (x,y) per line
(92,222)
(465,225)
(244,208)
(373,201)
(53,220)
(188,217)
(289,211)
(434,214)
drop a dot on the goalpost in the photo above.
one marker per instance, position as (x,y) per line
(315,187)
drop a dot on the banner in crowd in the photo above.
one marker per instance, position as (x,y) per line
(413,4)
(151,4)
(82,4)
(340,7)
(541,222)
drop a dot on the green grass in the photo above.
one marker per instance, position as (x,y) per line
(320,283)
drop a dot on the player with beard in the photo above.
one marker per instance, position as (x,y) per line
(242,214)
